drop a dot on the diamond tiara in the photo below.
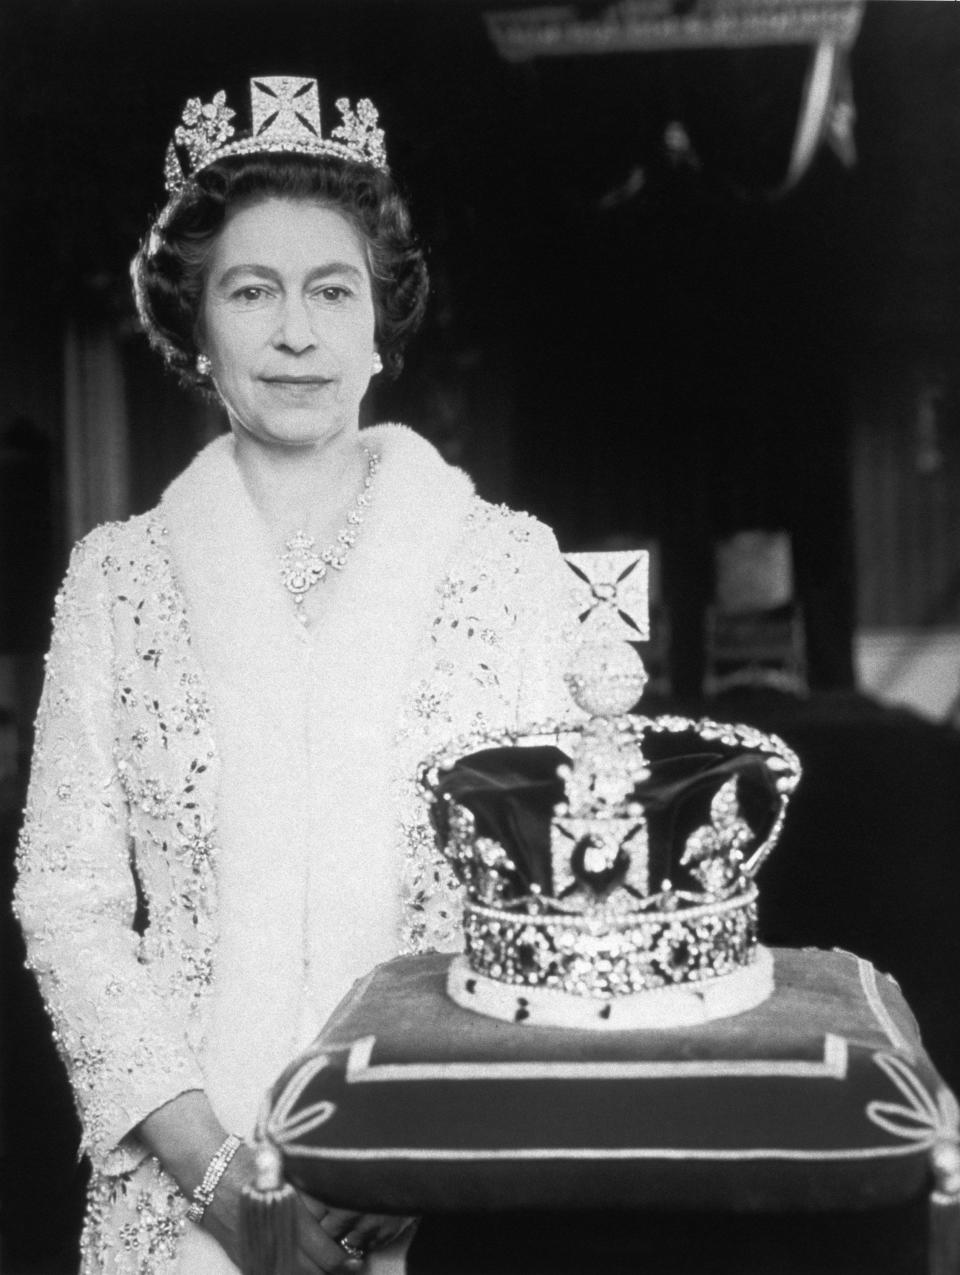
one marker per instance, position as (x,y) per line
(284,118)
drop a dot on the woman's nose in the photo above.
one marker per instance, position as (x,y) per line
(295,329)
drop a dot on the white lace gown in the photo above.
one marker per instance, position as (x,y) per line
(254,783)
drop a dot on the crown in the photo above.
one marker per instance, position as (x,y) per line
(284,117)
(609,862)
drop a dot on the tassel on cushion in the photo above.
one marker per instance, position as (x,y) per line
(944,1251)
(268,1218)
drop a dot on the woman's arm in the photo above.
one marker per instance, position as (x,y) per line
(123,1042)
(185,1135)
(137,1085)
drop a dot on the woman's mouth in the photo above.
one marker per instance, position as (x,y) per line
(297,380)
(297,388)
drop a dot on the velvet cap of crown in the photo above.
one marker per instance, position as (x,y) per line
(608,864)
(284,118)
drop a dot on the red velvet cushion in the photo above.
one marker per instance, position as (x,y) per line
(820,1098)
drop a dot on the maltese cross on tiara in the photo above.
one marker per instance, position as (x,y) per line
(284,117)
(281,106)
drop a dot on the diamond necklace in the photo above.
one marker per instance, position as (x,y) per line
(301,567)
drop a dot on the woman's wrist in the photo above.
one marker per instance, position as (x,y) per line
(202,1196)
(184,1135)
(221,1219)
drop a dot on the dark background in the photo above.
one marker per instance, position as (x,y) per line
(676,363)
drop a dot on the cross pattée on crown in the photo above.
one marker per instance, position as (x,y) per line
(287,106)
(610,592)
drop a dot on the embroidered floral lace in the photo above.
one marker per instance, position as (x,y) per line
(117,890)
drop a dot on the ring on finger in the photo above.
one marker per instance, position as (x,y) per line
(352,1250)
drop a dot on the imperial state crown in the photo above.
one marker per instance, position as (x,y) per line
(608,861)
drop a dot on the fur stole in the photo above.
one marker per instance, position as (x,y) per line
(307,871)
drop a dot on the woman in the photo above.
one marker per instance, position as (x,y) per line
(233,715)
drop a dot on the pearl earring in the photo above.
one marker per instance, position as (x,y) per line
(204,366)
(377,362)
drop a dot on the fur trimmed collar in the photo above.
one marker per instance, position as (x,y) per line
(307,878)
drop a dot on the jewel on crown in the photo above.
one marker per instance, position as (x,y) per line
(284,118)
(606,887)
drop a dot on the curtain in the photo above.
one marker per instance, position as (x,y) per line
(96,438)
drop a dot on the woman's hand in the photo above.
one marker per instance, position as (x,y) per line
(363,1231)
(319,1250)
(320,1229)
(185,1134)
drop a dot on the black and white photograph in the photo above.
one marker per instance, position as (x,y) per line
(480,637)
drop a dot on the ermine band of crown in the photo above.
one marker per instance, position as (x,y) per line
(285,118)
(677,1005)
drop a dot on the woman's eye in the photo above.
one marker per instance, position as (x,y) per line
(334,292)
(251,292)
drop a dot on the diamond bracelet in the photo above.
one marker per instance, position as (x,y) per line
(217,1167)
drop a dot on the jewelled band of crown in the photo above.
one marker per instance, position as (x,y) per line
(285,119)
(616,957)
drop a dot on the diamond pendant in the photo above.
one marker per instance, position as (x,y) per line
(301,567)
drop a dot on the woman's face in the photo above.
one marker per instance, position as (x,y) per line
(287,322)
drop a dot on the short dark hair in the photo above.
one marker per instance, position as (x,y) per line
(168,270)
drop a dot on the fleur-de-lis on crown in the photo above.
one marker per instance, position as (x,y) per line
(716,848)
